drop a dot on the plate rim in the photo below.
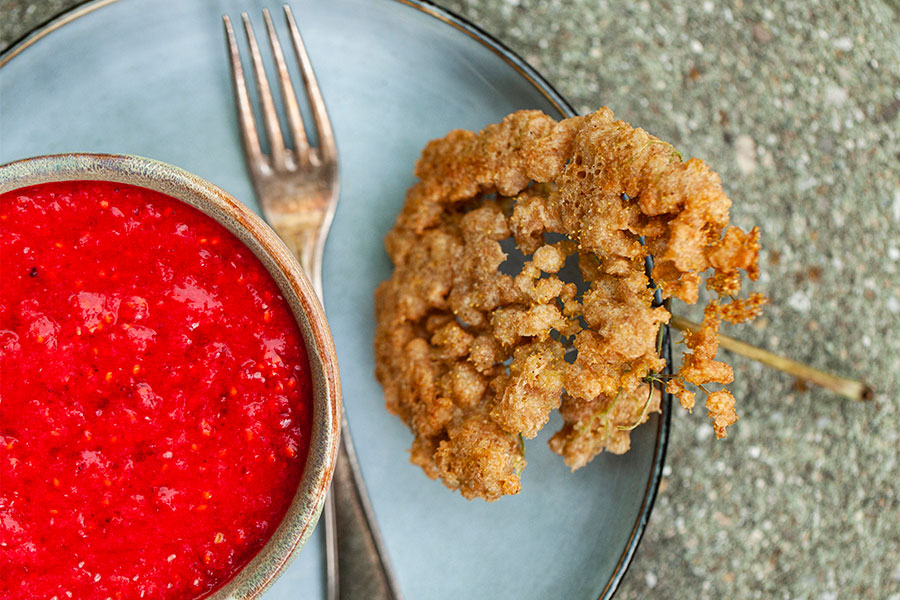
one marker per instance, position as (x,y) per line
(565,108)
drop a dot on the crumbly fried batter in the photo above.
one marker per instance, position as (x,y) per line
(474,359)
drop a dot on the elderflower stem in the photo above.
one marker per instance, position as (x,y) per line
(849,388)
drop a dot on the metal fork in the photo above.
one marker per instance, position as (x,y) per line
(298,191)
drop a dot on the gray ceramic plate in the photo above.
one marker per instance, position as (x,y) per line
(150,77)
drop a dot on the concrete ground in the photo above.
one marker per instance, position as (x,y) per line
(797,106)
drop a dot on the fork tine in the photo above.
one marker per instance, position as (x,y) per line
(292,107)
(245,112)
(270,117)
(323,124)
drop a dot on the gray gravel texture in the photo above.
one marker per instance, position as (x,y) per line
(797,106)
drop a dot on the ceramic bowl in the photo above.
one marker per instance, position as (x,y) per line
(301,517)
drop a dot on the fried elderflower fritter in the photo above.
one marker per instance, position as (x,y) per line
(474,358)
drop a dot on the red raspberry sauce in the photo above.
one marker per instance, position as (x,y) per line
(155,396)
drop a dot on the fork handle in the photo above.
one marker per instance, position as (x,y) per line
(305,244)
(363,570)
(357,566)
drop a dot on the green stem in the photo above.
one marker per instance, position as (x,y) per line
(849,388)
(643,415)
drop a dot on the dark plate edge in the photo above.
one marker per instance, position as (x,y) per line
(565,108)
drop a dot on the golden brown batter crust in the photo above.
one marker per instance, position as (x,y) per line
(473,359)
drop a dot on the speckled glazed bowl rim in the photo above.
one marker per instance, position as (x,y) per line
(298,523)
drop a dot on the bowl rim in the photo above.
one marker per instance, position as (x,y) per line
(282,547)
